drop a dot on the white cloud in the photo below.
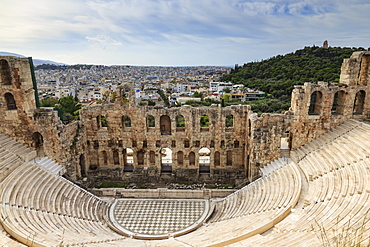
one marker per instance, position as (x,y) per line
(163,31)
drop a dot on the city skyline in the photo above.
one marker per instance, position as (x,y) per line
(177,33)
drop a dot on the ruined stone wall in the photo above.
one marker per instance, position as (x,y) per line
(126,142)
(227,145)
(265,139)
(317,108)
(39,128)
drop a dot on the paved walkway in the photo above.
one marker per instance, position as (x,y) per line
(158,217)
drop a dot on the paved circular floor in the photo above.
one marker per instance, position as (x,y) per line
(158,218)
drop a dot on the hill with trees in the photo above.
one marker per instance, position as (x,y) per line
(277,75)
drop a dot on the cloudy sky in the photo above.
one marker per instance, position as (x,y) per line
(177,32)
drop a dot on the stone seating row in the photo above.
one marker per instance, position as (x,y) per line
(325,138)
(7,241)
(50,165)
(273,166)
(251,210)
(346,196)
(32,187)
(8,162)
(37,228)
(248,200)
(21,151)
(336,202)
(349,148)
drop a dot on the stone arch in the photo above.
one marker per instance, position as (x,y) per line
(104,157)
(166,160)
(38,143)
(217,158)
(229,158)
(339,102)
(103,121)
(140,157)
(180,121)
(364,70)
(126,121)
(165,124)
(358,106)
(204,160)
(82,163)
(204,121)
(191,158)
(128,160)
(152,158)
(229,121)
(150,121)
(10,101)
(315,103)
(180,158)
(115,157)
(5,75)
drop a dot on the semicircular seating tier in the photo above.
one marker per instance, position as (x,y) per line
(320,197)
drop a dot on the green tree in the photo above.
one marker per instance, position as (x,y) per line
(50,102)
(197,94)
(70,108)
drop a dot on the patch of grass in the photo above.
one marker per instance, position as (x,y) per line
(110,185)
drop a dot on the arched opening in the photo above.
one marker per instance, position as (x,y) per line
(358,106)
(128,155)
(180,158)
(229,158)
(10,102)
(180,123)
(140,157)
(204,160)
(191,158)
(166,160)
(229,121)
(38,143)
(104,157)
(236,144)
(150,121)
(103,121)
(165,123)
(93,159)
(364,70)
(217,159)
(5,75)
(204,121)
(126,121)
(82,165)
(338,102)
(249,128)
(315,103)
(116,157)
(152,157)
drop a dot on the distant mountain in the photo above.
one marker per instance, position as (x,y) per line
(35,61)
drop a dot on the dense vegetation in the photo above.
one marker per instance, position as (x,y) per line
(277,75)
(67,106)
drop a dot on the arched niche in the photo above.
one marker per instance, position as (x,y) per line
(10,101)
(315,103)
(165,125)
(166,160)
(5,74)
(38,143)
(204,160)
(358,105)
